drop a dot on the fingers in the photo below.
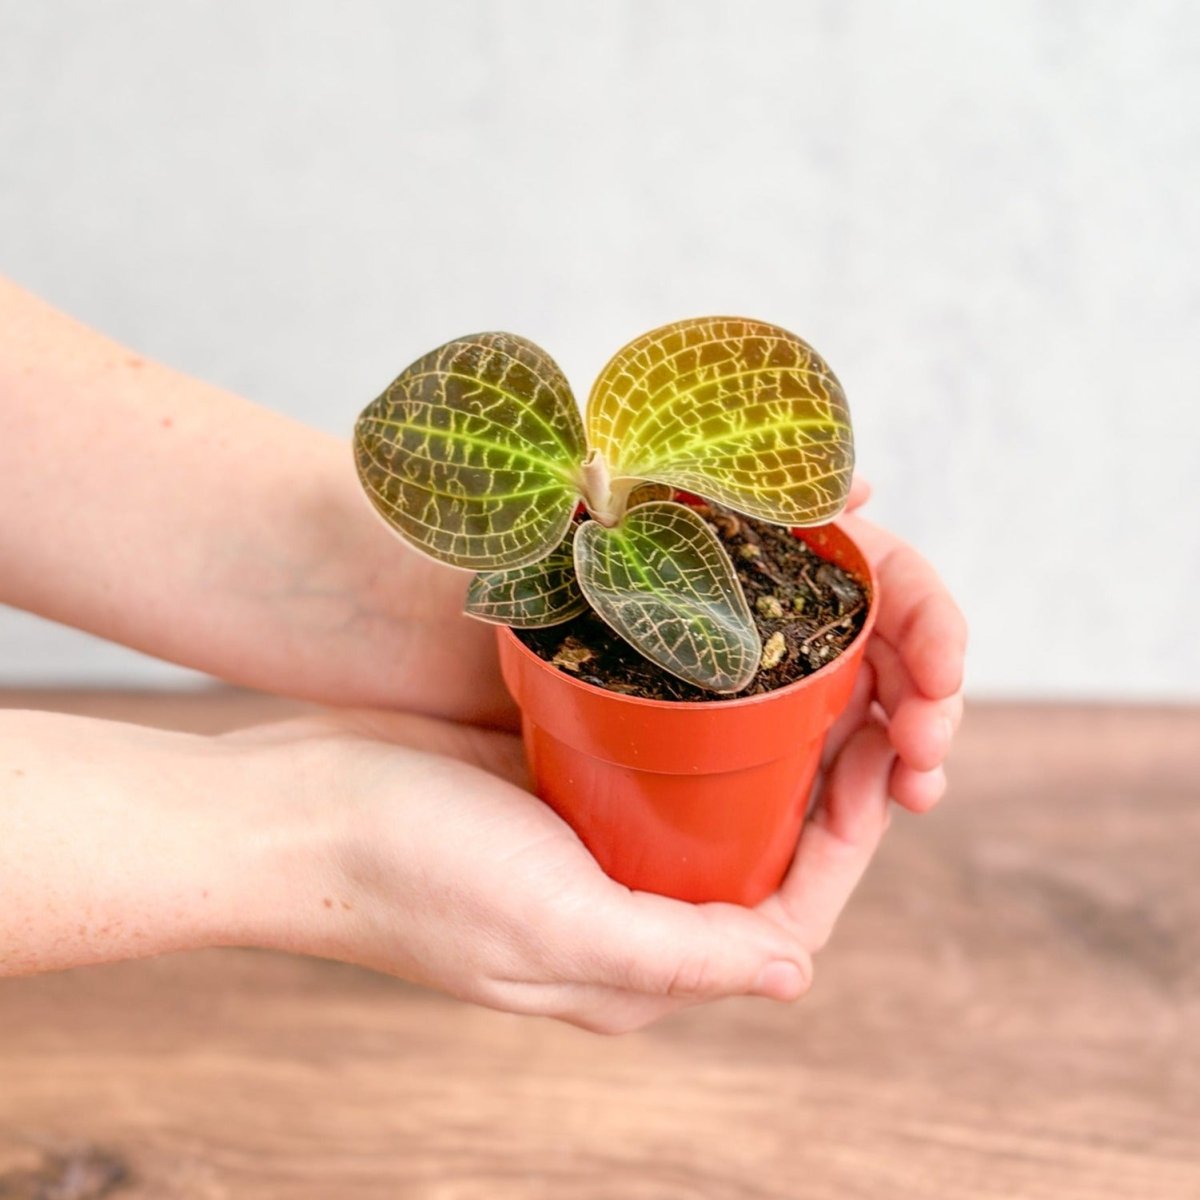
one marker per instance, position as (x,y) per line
(916,613)
(637,957)
(854,716)
(917,791)
(838,840)
(860,493)
(920,729)
(666,948)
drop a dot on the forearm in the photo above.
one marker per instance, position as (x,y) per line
(118,842)
(174,517)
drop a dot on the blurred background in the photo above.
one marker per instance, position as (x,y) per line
(986,217)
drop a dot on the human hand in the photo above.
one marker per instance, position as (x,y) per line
(466,882)
(890,742)
(412,847)
(523,919)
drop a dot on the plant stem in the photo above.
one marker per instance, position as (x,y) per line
(604,501)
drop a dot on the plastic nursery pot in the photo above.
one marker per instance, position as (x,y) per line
(697,800)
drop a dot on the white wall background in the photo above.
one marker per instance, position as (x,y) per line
(986,216)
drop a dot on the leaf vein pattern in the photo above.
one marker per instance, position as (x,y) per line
(692,448)
(523,404)
(451,435)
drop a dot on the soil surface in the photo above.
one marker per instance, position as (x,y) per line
(807,611)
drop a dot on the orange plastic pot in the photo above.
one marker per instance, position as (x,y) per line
(697,800)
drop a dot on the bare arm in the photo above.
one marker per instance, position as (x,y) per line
(399,843)
(172,516)
(116,842)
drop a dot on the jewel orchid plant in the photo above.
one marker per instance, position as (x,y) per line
(477,456)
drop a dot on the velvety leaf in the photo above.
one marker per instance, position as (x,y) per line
(472,453)
(663,581)
(735,410)
(531,597)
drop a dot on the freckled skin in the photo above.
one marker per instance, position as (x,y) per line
(112,856)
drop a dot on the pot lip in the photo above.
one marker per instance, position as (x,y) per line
(791,689)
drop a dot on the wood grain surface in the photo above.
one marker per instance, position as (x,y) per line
(1010,1008)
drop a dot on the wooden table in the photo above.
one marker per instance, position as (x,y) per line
(1011,1008)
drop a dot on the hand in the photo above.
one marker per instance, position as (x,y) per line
(589,951)
(890,742)
(446,871)
(414,849)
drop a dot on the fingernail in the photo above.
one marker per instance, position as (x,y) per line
(781,980)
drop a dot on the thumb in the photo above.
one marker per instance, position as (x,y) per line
(860,493)
(657,946)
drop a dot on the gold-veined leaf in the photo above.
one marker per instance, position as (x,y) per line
(736,410)
(471,454)
(531,597)
(644,493)
(662,580)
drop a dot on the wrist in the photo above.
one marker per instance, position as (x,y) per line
(278,841)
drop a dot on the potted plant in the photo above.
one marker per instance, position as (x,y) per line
(713,452)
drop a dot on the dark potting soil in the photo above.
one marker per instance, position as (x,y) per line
(807,611)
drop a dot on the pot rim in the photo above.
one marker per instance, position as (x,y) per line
(817,677)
